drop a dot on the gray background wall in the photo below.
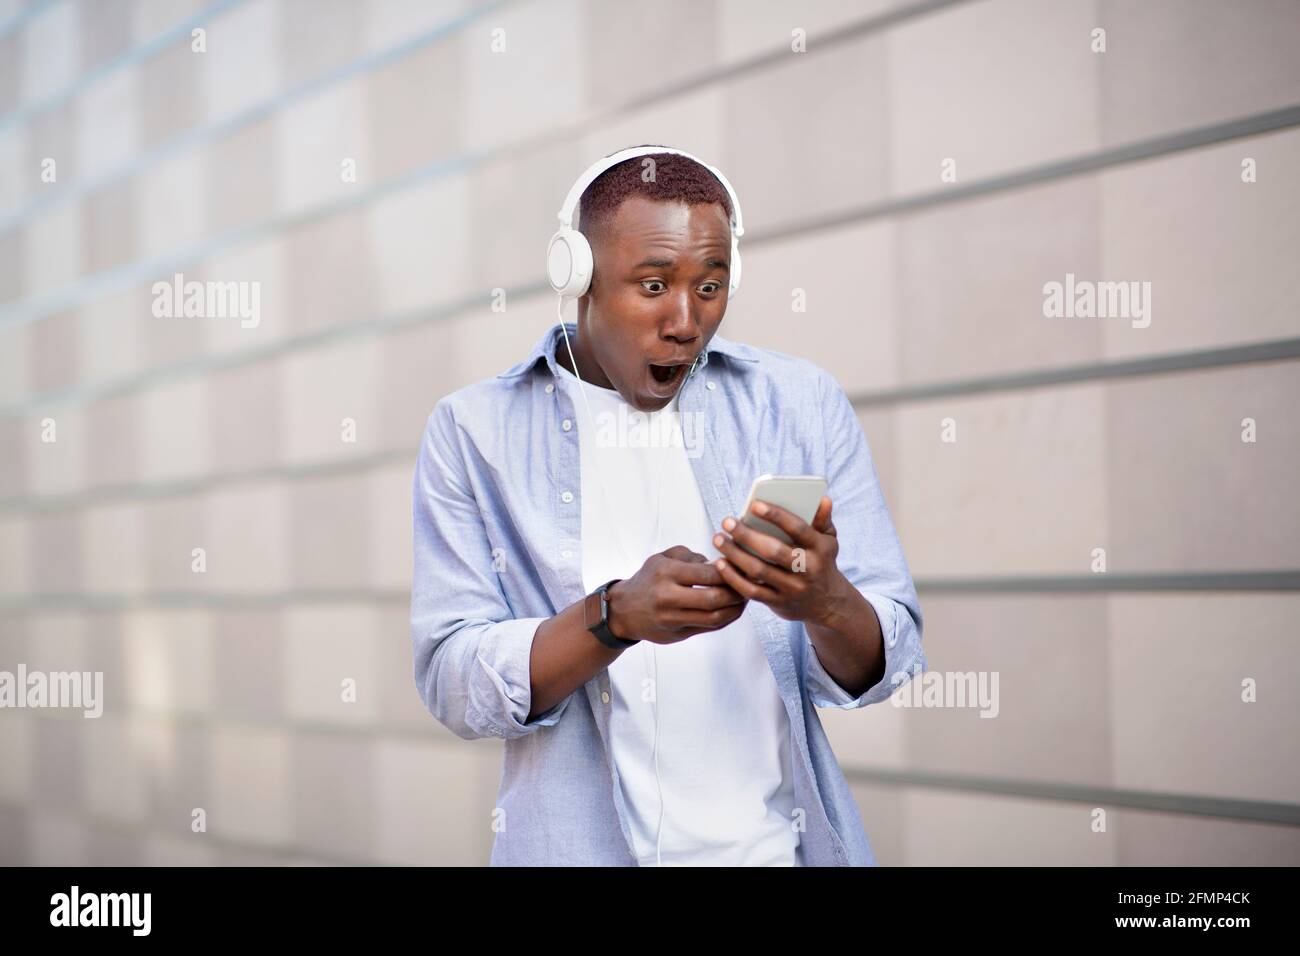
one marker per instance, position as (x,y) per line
(1119,690)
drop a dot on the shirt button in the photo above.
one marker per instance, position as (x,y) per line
(550,388)
(566,554)
(567,497)
(566,424)
(604,697)
(710,386)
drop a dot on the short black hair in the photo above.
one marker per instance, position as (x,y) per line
(676,179)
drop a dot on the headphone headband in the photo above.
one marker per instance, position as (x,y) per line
(595,169)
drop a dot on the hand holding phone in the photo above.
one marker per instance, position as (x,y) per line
(799,494)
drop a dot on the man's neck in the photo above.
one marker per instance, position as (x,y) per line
(587,369)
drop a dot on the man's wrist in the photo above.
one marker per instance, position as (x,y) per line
(835,613)
(611,622)
(599,616)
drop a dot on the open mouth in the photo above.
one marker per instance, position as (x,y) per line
(664,380)
(666,374)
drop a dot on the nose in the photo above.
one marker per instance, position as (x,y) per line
(681,325)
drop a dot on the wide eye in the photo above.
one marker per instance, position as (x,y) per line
(646,283)
(710,287)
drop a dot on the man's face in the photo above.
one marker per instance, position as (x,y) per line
(658,293)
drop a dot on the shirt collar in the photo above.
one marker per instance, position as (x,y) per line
(548,344)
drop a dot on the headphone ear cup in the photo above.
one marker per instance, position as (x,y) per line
(734,269)
(569,263)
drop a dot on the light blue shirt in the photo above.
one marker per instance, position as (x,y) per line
(498,550)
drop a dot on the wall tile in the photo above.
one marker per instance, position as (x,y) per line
(1177,461)
(1170,65)
(1178,663)
(991,503)
(950,829)
(995,86)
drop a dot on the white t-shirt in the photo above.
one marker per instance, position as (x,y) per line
(724,750)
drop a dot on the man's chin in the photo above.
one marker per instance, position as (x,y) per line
(652,404)
(646,401)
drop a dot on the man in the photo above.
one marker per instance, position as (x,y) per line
(670,717)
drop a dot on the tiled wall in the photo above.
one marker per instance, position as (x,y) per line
(1119,690)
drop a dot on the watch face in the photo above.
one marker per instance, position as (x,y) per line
(596,615)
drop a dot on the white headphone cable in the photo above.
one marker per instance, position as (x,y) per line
(591,418)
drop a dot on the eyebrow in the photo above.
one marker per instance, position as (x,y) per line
(713,262)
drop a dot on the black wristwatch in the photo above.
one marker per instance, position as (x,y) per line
(596,610)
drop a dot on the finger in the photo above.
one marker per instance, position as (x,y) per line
(691,573)
(822,519)
(787,521)
(767,547)
(708,620)
(706,598)
(755,569)
(679,552)
(742,585)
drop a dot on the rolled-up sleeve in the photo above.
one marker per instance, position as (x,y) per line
(472,657)
(870,556)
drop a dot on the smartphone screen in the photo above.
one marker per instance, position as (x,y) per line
(798,494)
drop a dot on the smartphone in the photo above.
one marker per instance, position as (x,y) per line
(798,494)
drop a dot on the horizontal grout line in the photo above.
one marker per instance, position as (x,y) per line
(228,125)
(378,325)
(1254,125)
(224,361)
(30,11)
(779,55)
(1096,372)
(110,494)
(430,732)
(109,280)
(435,734)
(1229,581)
(1112,582)
(285,852)
(1272,351)
(81,601)
(85,81)
(1253,811)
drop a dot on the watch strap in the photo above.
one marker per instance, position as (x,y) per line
(596,613)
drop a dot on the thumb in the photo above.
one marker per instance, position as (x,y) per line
(822,519)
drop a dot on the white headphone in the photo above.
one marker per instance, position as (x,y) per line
(568,255)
